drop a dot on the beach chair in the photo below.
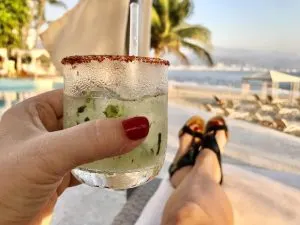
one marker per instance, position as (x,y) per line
(235,114)
(233,104)
(270,99)
(226,103)
(265,108)
(262,107)
(264,121)
(209,108)
(219,101)
(257,98)
(284,126)
(288,112)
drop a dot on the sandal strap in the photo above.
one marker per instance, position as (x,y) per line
(216,128)
(210,142)
(186,129)
(188,159)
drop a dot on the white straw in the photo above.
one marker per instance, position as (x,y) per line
(134,29)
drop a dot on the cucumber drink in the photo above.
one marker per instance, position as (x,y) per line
(104,87)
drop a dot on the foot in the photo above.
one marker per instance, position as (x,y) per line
(207,160)
(185,141)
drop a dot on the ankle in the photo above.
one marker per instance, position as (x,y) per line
(207,164)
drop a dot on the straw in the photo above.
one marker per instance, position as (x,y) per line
(134,28)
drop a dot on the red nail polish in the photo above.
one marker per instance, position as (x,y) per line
(136,128)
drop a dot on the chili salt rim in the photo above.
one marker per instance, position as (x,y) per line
(78,59)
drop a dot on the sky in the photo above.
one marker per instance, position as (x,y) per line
(272,25)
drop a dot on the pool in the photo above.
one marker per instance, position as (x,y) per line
(29,85)
(13,91)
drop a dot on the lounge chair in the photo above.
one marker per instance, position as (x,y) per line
(235,114)
(264,121)
(210,108)
(290,112)
(270,99)
(226,103)
(284,126)
(219,101)
(257,98)
(260,107)
(232,104)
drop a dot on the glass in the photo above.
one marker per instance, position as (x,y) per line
(100,87)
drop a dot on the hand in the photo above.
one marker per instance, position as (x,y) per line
(36,156)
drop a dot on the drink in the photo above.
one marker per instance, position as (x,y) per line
(110,100)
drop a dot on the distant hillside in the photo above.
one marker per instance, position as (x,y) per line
(266,59)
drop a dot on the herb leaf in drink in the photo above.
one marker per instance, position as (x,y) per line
(114,111)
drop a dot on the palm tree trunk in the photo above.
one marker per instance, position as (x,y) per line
(41,4)
(157,53)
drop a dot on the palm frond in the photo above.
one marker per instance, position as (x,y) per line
(155,19)
(169,32)
(196,32)
(179,10)
(57,3)
(162,9)
(187,8)
(180,55)
(199,51)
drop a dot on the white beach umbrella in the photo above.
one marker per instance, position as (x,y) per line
(95,27)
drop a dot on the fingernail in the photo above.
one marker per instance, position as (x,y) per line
(136,128)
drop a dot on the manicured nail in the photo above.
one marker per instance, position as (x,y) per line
(136,128)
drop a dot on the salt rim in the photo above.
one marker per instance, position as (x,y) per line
(79,59)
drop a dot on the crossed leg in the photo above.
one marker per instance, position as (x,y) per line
(198,198)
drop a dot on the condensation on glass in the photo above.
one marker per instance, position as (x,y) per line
(105,87)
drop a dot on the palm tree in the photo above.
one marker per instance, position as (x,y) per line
(169,32)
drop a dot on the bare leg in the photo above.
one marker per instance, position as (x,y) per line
(198,198)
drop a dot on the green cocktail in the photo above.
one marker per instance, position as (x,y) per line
(100,87)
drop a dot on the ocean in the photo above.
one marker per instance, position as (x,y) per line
(217,79)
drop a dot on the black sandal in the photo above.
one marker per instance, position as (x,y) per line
(209,140)
(189,158)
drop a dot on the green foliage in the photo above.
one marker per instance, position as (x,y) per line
(57,3)
(14,17)
(169,32)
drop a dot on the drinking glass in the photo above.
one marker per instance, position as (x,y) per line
(105,87)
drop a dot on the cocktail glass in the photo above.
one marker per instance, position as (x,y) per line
(104,87)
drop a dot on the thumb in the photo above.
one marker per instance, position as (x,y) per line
(92,141)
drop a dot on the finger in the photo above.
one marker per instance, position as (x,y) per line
(94,140)
(53,98)
(46,108)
